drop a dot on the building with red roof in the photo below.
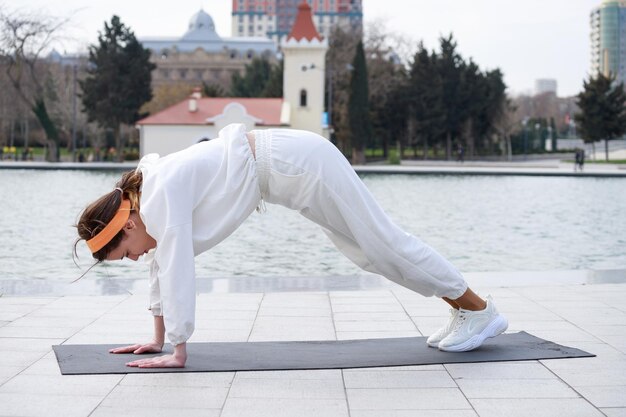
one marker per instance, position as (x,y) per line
(302,106)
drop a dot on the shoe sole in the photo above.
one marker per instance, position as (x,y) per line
(496,327)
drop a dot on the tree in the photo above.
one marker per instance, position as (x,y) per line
(341,47)
(602,115)
(118,80)
(450,68)
(426,98)
(261,79)
(23,39)
(358,107)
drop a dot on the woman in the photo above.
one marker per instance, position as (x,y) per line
(176,207)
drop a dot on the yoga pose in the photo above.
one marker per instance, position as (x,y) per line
(173,208)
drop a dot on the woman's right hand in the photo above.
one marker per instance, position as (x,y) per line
(152,347)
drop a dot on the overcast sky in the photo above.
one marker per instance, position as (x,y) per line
(527,39)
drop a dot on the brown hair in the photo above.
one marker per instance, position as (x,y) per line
(99,213)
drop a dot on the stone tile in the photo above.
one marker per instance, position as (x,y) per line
(224,324)
(307,300)
(407,398)
(515,388)
(604,396)
(8,372)
(166,397)
(335,301)
(614,412)
(227,315)
(19,358)
(103,411)
(287,388)
(367,316)
(374,326)
(19,300)
(284,407)
(205,335)
(47,365)
(499,370)
(304,311)
(292,328)
(74,322)
(72,385)
(367,308)
(413,413)
(4,323)
(535,407)
(323,374)
(190,379)
(376,335)
(37,332)
(27,344)
(36,405)
(398,368)
(398,379)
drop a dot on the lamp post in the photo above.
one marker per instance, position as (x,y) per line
(525,124)
(74,69)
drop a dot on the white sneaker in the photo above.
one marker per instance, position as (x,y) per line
(439,335)
(472,328)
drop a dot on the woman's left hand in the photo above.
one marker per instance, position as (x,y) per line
(166,361)
(175,360)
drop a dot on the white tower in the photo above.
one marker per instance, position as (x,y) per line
(304,52)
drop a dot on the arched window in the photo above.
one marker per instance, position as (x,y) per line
(303,98)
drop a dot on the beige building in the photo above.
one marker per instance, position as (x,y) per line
(201,55)
(302,106)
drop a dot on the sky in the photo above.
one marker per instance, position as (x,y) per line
(526,40)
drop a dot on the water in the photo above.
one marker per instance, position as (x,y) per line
(480,223)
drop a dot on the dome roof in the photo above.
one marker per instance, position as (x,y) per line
(201,27)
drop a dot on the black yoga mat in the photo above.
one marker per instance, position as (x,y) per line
(326,354)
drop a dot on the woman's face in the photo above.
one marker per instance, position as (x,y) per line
(136,240)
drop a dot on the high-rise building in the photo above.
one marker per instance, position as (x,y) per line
(545,85)
(608,39)
(274,18)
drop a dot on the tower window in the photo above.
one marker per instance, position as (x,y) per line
(303,98)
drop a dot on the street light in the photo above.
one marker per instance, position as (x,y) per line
(525,123)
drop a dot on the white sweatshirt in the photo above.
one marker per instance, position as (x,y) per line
(190,201)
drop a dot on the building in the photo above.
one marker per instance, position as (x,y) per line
(545,85)
(608,39)
(302,106)
(274,18)
(201,55)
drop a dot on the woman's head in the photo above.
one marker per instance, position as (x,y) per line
(121,207)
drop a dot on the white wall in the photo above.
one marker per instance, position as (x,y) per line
(172,138)
(312,57)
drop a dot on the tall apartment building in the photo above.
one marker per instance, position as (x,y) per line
(608,39)
(274,18)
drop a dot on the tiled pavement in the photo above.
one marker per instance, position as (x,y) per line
(589,317)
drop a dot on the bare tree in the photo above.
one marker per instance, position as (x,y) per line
(24,37)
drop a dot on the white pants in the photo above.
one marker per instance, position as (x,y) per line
(305,172)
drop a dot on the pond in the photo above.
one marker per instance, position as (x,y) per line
(480,223)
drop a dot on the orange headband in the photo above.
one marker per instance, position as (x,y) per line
(116,224)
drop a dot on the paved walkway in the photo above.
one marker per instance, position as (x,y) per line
(576,309)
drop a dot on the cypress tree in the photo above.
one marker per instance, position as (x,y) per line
(358,107)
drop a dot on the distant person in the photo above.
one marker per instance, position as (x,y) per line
(81,157)
(176,207)
(460,153)
(578,156)
(581,162)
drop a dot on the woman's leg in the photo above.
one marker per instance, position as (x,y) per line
(309,174)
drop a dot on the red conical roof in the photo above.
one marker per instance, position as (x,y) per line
(303,27)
